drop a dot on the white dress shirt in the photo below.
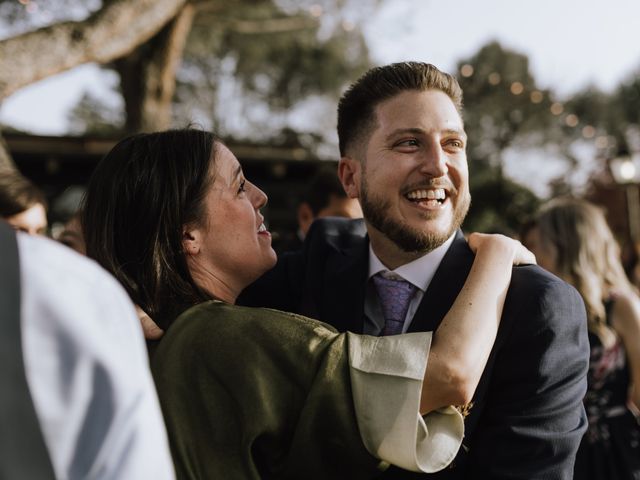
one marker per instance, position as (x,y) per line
(420,272)
(87,368)
(388,371)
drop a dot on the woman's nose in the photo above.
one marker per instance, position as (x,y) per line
(260,198)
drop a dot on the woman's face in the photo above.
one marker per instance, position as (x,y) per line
(232,247)
(72,237)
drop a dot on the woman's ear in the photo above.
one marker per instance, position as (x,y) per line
(190,241)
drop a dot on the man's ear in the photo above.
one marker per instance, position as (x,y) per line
(349,171)
(190,240)
(305,217)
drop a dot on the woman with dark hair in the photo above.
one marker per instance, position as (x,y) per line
(572,239)
(259,393)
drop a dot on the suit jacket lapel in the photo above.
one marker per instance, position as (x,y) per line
(344,287)
(444,287)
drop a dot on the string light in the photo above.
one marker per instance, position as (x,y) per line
(494,78)
(517,88)
(316,10)
(348,26)
(602,141)
(466,70)
(571,120)
(556,108)
(536,96)
(588,131)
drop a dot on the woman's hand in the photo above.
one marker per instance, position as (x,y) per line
(511,248)
(150,329)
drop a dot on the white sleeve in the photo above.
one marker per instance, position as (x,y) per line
(87,369)
(386,379)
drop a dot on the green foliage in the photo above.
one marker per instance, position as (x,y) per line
(499,205)
(500,110)
(502,102)
(628,98)
(93,116)
(270,59)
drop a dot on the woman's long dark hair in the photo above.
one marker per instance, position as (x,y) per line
(138,199)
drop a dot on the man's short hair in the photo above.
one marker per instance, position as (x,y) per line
(322,187)
(356,108)
(18,194)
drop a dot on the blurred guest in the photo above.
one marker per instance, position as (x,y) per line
(631,262)
(71,235)
(22,204)
(77,400)
(571,238)
(325,197)
(527,234)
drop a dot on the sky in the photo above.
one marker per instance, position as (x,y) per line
(571,44)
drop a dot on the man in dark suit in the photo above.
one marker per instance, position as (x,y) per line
(402,144)
(324,197)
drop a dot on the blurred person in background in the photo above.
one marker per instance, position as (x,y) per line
(571,239)
(324,197)
(71,234)
(631,262)
(22,204)
(77,400)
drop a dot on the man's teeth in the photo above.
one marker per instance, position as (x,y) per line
(437,194)
(262,228)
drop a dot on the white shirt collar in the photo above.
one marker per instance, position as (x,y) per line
(419,272)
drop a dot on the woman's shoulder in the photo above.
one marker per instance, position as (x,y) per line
(212,322)
(625,316)
(217,311)
(215,334)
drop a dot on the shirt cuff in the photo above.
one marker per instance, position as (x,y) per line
(386,380)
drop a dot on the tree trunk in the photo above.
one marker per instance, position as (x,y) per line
(6,163)
(148,75)
(111,32)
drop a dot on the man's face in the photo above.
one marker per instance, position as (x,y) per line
(411,175)
(33,220)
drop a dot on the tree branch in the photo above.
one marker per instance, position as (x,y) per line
(6,162)
(148,75)
(111,32)
(273,25)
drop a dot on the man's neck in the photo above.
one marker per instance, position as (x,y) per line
(389,253)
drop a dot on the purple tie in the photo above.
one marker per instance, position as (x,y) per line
(395,296)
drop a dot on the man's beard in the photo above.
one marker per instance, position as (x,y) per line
(408,239)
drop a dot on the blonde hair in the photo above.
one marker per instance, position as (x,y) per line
(587,255)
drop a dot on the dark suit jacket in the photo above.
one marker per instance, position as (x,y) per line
(527,417)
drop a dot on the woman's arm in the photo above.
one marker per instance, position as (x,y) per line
(462,343)
(626,322)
